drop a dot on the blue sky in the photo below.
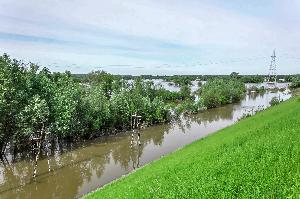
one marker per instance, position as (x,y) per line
(153,37)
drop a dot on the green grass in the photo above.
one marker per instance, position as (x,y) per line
(259,157)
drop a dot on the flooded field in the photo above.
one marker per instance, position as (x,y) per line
(80,168)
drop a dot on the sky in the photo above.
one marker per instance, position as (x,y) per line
(158,37)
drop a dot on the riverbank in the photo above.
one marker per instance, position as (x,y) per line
(257,157)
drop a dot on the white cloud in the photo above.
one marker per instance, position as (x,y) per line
(206,31)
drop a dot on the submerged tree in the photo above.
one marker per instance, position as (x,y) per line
(13,95)
(219,92)
(33,119)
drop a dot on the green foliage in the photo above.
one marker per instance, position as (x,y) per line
(199,83)
(31,99)
(97,111)
(274,101)
(72,107)
(181,80)
(167,95)
(160,112)
(295,82)
(252,78)
(33,118)
(255,158)
(234,75)
(189,107)
(257,89)
(218,92)
(120,108)
(64,104)
(185,92)
(108,81)
(12,97)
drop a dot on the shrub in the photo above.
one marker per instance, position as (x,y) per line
(295,82)
(219,92)
(274,101)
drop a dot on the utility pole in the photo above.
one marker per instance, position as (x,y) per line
(135,125)
(135,151)
(38,139)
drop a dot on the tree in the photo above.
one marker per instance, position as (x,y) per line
(64,106)
(220,91)
(120,110)
(104,78)
(32,119)
(185,92)
(13,96)
(295,82)
(98,112)
(234,75)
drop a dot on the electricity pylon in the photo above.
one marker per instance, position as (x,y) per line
(272,77)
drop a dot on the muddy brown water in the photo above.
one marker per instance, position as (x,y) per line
(91,165)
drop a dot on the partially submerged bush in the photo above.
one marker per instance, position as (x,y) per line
(295,82)
(190,107)
(199,83)
(257,89)
(220,91)
(274,101)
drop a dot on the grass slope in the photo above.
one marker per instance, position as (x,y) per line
(259,157)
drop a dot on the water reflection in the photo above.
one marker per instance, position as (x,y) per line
(89,165)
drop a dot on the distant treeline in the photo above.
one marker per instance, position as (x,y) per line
(186,79)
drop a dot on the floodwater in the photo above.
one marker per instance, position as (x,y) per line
(171,86)
(77,170)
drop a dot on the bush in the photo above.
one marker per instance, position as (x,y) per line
(219,92)
(185,92)
(257,89)
(295,82)
(189,107)
(274,101)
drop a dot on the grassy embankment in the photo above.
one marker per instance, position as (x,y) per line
(258,157)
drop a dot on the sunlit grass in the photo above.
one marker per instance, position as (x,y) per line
(259,157)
